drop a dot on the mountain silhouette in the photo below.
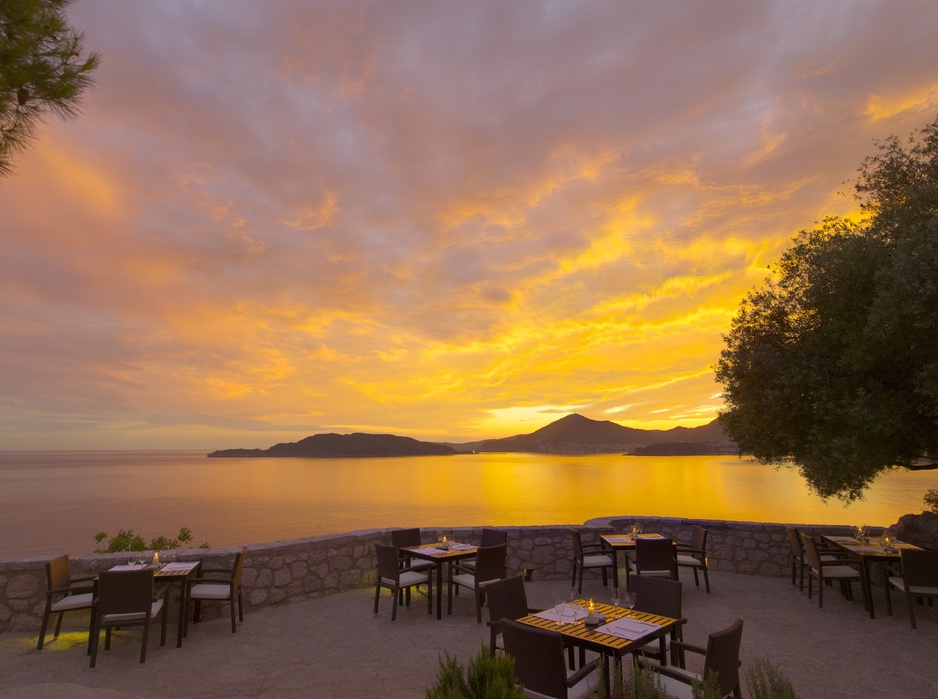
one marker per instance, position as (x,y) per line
(337,446)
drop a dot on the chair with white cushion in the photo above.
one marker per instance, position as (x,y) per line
(122,599)
(591,557)
(721,656)
(919,579)
(397,578)
(821,570)
(222,585)
(63,594)
(490,566)
(540,665)
(694,556)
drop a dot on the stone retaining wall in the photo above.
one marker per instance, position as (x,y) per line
(290,571)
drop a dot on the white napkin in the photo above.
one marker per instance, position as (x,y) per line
(843,539)
(632,629)
(431,551)
(651,536)
(551,614)
(126,566)
(461,547)
(180,566)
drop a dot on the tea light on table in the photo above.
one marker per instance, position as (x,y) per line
(591,611)
(156,559)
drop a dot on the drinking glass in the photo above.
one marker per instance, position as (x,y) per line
(629,599)
(616,599)
(559,605)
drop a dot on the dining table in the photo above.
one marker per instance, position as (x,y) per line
(172,573)
(869,550)
(440,553)
(619,633)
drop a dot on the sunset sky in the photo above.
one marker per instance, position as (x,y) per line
(450,220)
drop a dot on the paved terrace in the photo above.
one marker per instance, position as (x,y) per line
(334,646)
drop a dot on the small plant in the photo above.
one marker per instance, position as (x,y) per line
(646,684)
(618,688)
(126,540)
(709,688)
(931,500)
(766,681)
(485,677)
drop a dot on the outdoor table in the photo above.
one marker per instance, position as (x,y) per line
(171,573)
(873,550)
(434,554)
(595,639)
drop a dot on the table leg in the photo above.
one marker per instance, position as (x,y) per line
(183,607)
(439,589)
(868,587)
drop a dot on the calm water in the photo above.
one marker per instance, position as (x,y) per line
(55,502)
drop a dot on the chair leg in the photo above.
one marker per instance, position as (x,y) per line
(234,626)
(377,594)
(146,635)
(58,625)
(696,579)
(478,605)
(908,597)
(573,582)
(42,628)
(241,607)
(706,579)
(394,604)
(95,638)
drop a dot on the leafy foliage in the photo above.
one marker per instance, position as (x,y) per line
(41,70)
(646,684)
(126,540)
(931,500)
(766,681)
(832,365)
(485,677)
(708,688)
(618,689)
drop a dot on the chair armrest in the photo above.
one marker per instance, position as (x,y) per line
(64,590)
(216,581)
(595,547)
(692,551)
(682,645)
(160,592)
(84,578)
(668,671)
(410,568)
(584,670)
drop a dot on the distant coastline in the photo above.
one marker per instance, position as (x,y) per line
(570,435)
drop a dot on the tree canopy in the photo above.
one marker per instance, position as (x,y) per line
(41,70)
(833,364)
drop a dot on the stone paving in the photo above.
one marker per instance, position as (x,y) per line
(335,647)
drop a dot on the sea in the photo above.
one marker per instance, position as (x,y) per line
(54,502)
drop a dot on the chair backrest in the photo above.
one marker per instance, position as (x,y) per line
(919,567)
(723,656)
(810,551)
(491,562)
(239,567)
(539,660)
(125,592)
(698,538)
(657,595)
(577,543)
(655,555)
(58,573)
(387,561)
(507,598)
(794,540)
(401,538)
(493,537)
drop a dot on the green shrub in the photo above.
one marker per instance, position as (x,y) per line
(709,688)
(485,677)
(646,684)
(126,540)
(931,500)
(766,681)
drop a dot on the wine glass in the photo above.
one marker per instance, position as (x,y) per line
(559,605)
(616,599)
(629,599)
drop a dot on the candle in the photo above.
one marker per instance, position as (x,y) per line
(156,559)
(591,611)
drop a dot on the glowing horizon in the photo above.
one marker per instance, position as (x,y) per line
(451,222)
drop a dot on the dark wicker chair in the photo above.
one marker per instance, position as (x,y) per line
(694,556)
(822,570)
(655,557)
(408,538)
(796,556)
(490,566)
(490,537)
(592,556)
(396,578)
(720,656)
(122,599)
(919,579)
(63,594)
(660,596)
(219,585)
(539,663)
(506,599)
